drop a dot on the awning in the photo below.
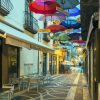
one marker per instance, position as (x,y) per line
(20,39)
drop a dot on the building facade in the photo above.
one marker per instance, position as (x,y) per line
(23,51)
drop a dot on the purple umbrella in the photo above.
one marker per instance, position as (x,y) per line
(51,17)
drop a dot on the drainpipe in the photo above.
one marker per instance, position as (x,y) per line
(38,62)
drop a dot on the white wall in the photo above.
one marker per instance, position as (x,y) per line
(16,16)
(28,61)
(27,57)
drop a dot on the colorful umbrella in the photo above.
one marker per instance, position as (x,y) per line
(79,41)
(78,31)
(70,23)
(56,28)
(73,12)
(75,36)
(68,4)
(43,0)
(51,17)
(60,36)
(64,37)
(47,7)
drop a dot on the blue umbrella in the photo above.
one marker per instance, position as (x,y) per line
(73,12)
(70,23)
(75,31)
(68,4)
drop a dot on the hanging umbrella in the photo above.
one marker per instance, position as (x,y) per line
(64,37)
(60,36)
(79,41)
(78,31)
(43,0)
(56,28)
(56,36)
(51,17)
(73,12)
(70,23)
(68,4)
(75,36)
(47,7)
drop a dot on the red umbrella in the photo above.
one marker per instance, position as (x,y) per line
(43,0)
(78,41)
(56,28)
(47,7)
(51,17)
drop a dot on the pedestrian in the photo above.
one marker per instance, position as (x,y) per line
(62,67)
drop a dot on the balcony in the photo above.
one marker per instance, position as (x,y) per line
(46,37)
(5,7)
(30,23)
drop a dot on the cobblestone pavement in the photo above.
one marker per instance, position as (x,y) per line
(62,87)
(57,89)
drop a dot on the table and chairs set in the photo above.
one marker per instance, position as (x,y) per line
(24,82)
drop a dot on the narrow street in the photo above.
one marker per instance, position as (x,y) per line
(62,87)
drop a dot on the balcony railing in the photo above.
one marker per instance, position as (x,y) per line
(46,37)
(30,23)
(5,7)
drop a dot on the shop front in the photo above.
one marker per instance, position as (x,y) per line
(10,49)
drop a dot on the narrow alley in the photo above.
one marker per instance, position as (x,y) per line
(49,49)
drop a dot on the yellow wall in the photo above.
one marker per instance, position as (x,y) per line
(60,55)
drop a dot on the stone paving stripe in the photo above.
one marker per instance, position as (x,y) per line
(86,95)
(72,91)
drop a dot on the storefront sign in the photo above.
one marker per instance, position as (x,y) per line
(3,35)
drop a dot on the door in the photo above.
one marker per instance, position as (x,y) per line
(50,64)
(0,63)
(44,64)
(13,63)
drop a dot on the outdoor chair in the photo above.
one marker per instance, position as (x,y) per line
(47,79)
(34,82)
(7,92)
(23,82)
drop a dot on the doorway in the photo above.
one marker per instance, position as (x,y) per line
(0,63)
(44,64)
(13,63)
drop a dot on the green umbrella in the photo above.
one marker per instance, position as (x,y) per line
(60,36)
(64,37)
(55,36)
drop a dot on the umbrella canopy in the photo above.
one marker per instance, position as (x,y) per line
(64,37)
(75,36)
(43,0)
(70,23)
(47,7)
(79,41)
(68,4)
(78,31)
(51,17)
(56,28)
(73,12)
(56,36)
(60,36)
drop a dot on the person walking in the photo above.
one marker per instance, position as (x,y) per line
(62,67)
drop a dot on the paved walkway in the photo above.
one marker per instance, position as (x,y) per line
(63,87)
